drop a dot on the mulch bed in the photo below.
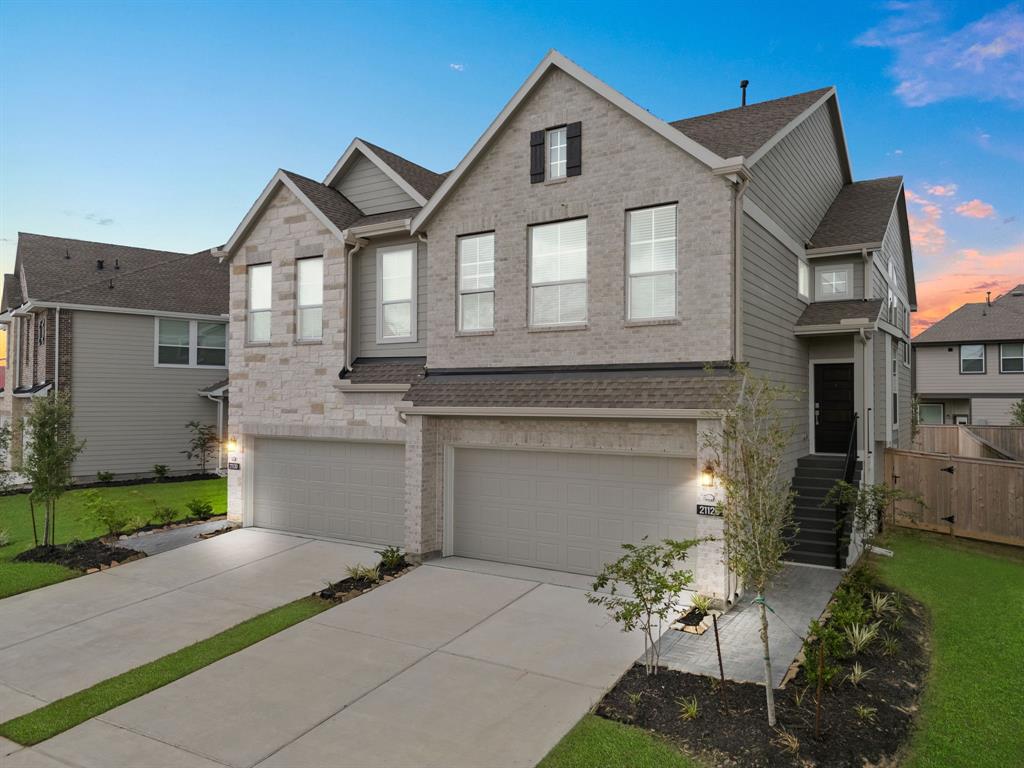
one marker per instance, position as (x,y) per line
(346,589)
(741,736)
(115,483)
(80,555)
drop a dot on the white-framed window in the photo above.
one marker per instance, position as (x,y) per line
(906,353)
(834,282)
(190,343)
(1011,358)
(931,413)
(258,321)
(895,408)
(309,276)
(396,294)
(476,282)
(557,148)
(558,273)
(972,358)
(651,259)
(803,279)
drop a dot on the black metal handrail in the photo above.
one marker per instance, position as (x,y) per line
(849,468)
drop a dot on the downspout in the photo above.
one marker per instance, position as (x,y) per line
(868,412)
(56,351)
(220,426)
(739,190)
(355,244)
(869,273)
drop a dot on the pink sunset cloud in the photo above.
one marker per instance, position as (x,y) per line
(926,234)
(976,209)
(941,190)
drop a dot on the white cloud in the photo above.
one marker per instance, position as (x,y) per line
(982,59)
(941,190)
(457,67)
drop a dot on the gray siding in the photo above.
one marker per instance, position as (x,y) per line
(131,413)
(370,190)
(906,396)
(365,306)
(892,248)
(882,373)
(796,182)
(770,310)
(938,373)
(991,410)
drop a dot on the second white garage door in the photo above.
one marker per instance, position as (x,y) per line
(345,490)
(567,511)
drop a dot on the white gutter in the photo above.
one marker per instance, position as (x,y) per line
(563,413)
(56,351)
(30,305)
(842,250)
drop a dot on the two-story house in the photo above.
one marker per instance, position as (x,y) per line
(137,337)
(516,360)
(969,366)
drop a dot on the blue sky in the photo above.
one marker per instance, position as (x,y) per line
(158,124)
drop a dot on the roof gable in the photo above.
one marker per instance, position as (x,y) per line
(414,180)
(1002,320)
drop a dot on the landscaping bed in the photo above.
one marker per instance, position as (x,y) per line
(362,579)
(80,555)
(865,722)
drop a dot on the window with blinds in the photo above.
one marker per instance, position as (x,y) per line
(558,273)
(652,263)
(476,282)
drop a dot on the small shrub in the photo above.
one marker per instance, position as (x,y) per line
(688,708)
(890,645)
(865,713)
(112,516)
(897,602)
(826,636)
(881,604)
(164,515)
(786,741)
(199,509)
(860,636)
(160,472)
(360,572)
(799,694)
(5,537)
(895,622)
(634,698)
(848,608)
(104,477)
(858,674)
(392,558)
(702,603)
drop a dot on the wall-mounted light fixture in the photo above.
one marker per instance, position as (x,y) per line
(232,445)
(707,476)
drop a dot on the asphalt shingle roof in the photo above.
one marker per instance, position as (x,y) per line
(833,312)
(1002,321)
(334,205)
(63,269)
(369,370)
(423,180)
(12,293)
(859,214)
(744,130)
(571,389)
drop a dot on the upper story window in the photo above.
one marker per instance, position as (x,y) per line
(558,273)
(476,282)
(652,263)
(396,294)
(191,343)
(835,282)
(556,153)
(906,353)
(1011,358)
(41,332)
(310,309)
(259,303)
(972,358)
(803,279)
(906,320)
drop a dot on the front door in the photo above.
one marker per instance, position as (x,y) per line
(833,406)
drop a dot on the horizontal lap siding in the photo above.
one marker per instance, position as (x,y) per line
(370,190)
(131,413)
(365,295)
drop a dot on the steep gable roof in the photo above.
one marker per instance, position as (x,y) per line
(417,182)
(423,180)
(744,130)
(859,214)
(1002,320)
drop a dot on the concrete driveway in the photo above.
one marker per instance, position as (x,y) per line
(447,666)
(63,638)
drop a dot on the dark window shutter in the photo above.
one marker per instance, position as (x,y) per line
(536,157)
(574,149)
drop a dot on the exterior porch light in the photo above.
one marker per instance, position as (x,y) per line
(232,445)
(707,476)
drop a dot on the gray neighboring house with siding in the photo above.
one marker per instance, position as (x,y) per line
(508,361)
(969,366)
(136,336)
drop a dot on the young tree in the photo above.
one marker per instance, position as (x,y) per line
(757,503)
(1017,413)
(642,588)
(47,459)
(866,504)
(203,444)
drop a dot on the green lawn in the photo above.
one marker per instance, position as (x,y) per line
(72,523)
(973,706)
(595,741)
(58,716)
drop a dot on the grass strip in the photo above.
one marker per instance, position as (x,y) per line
(58,716)
(595,741)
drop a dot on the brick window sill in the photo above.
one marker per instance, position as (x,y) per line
(554,328)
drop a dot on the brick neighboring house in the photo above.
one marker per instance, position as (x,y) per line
(138,338)
(507,361)
(969,366)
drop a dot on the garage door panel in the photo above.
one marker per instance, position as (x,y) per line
(567,511)
(346,490)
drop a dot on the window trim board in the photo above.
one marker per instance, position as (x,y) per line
(413,336)
(193,344)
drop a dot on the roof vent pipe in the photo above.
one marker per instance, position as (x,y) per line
(99,263)
(67,252)
(988,298)
(117,263)
(743,88)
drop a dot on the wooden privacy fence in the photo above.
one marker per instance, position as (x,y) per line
(978,499)
(977,442)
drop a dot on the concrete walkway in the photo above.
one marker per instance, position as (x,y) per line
(60,639)
(800,594)
(446,666)
(155,542)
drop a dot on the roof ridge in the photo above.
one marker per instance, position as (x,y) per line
(821,90)
(98,242)
(378,148)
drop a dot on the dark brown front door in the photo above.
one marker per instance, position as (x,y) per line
(833,406)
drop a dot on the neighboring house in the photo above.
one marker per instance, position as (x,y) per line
(136,336)
(969,366)
(507,361)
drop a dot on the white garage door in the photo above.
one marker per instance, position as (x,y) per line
(344,490)
(567,511)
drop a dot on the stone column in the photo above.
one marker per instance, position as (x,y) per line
(423,507)
(712,573)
